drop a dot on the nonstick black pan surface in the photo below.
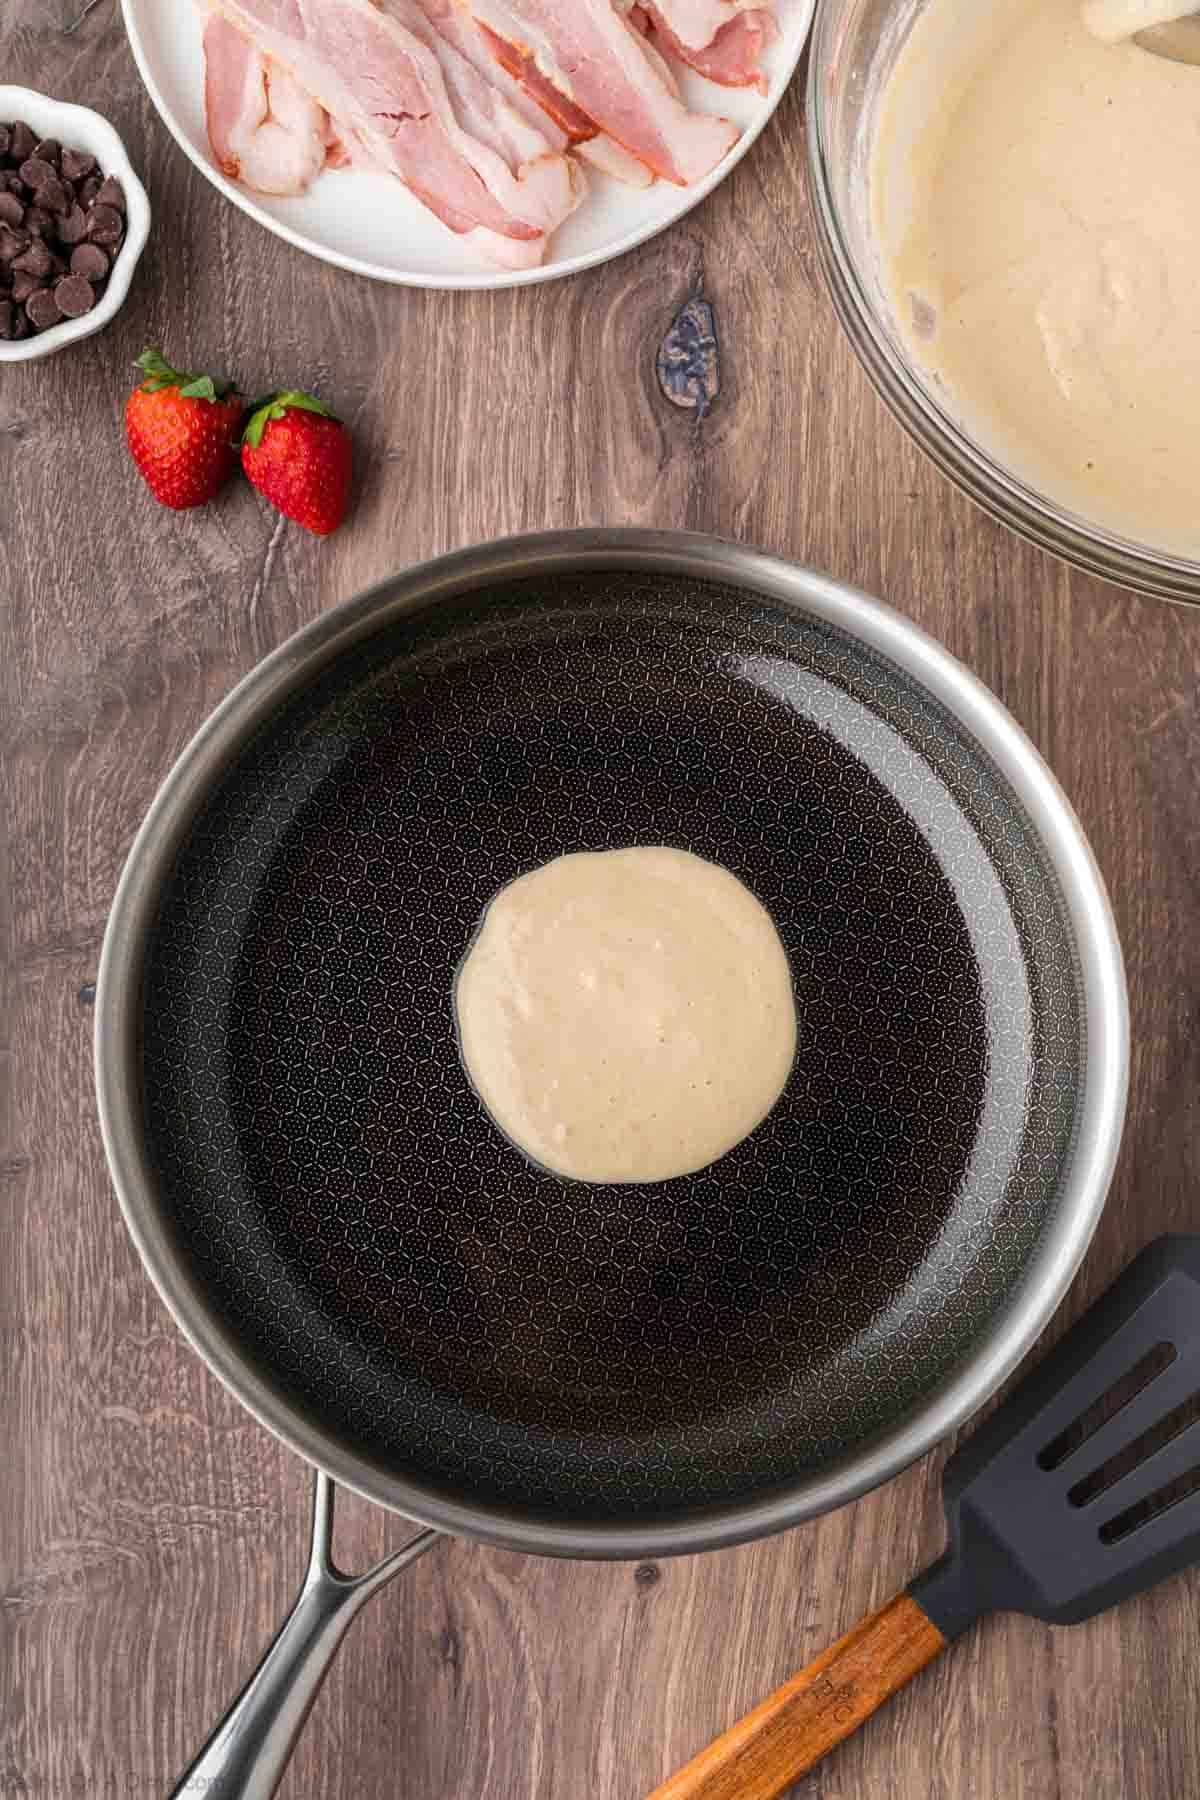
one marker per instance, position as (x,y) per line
(394,1268)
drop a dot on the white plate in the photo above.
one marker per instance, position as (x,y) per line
(372,225)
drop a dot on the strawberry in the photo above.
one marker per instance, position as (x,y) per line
(298,455)
(182,432)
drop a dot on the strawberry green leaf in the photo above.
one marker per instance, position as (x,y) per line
(305,403)
(275,406)
(257,423)
(159,374)
(152,362)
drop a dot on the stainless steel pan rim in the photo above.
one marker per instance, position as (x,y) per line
(684,554)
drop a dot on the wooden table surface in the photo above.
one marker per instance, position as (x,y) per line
(150,1533)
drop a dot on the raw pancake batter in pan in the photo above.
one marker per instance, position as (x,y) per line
(627,1015)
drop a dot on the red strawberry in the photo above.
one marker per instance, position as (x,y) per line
(182,431)
(298,455)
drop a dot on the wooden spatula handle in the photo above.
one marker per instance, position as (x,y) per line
(772,1747)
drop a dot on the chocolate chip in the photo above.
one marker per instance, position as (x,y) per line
(89,260)
(42,310)
(75,164)
(12,243)
(75,296)
(62,222)
(35,260)
(55,195)
(35,173)
(23,285)
(73,226)
(21,141)
(105,224)
(111,193)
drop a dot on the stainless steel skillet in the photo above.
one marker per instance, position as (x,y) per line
(584,1371)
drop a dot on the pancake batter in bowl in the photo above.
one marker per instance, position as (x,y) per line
(627,1015)
(1034,194)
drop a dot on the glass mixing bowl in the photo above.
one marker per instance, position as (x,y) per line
(854,49)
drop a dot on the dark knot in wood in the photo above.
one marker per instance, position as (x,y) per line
(689,359)
(449,1649)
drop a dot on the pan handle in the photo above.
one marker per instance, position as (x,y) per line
(246,1755)
(780,1740)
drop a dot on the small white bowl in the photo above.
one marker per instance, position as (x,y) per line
(81,129)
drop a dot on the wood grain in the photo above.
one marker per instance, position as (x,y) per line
(150,1533)
(765,1753)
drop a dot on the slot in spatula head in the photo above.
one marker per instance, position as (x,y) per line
(1084,1485)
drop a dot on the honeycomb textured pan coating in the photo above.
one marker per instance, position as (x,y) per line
(581,1352)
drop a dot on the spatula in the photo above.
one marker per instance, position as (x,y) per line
(1178,40)
(1168,28)
(1082,1488)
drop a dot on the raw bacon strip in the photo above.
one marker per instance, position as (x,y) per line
(733,57)
(264,130)
(697,22)
(605,154)
(386,93)
(453,23)
(551,186)
(520,63)
(595,60)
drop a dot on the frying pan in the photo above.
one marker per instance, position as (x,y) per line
(542,1364)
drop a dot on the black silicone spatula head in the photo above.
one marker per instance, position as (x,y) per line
(1084,1486)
